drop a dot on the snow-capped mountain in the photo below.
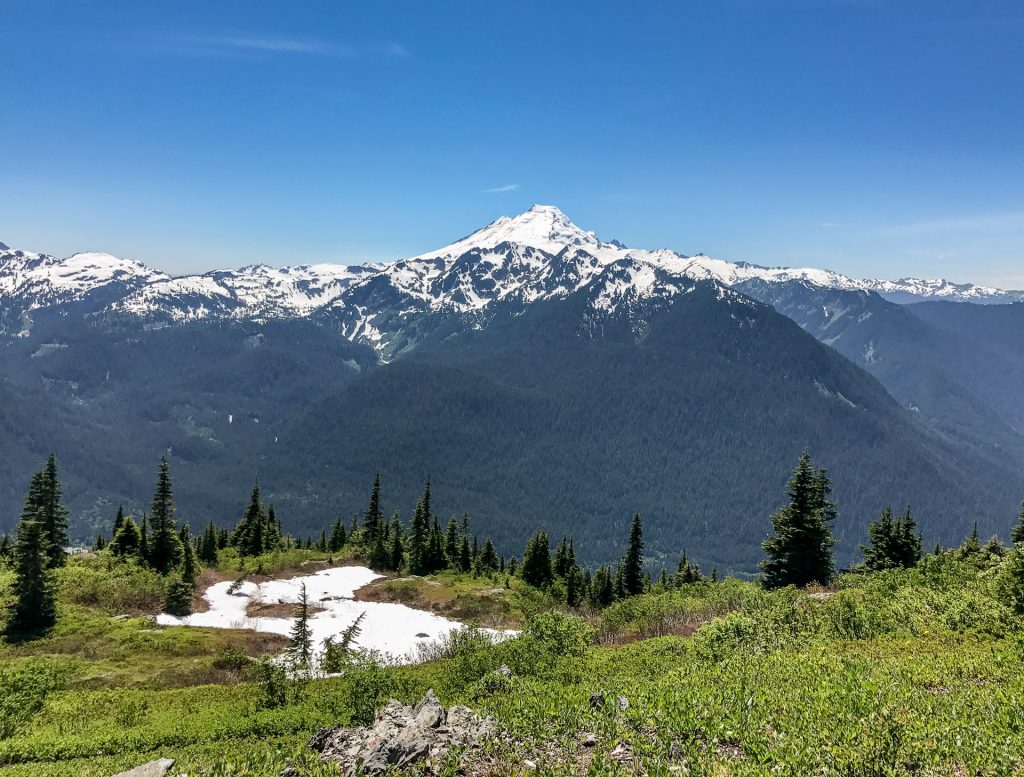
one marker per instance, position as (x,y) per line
(38,280)
(257,292)
(519,260)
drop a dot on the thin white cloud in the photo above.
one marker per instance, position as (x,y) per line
(273,44)
(509,187)
(987,222)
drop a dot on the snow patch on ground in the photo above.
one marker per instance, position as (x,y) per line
(391,629)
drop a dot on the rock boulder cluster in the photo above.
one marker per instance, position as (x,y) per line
(402,735)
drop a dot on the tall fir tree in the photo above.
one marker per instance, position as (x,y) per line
(419,534)
(397,549)
(488,558)
(338,536)
(374,517)
(273,535)
(633,562)
(300,642)
(800,550)
(451,543)
(207,551)
(5,548)
(55,515)
(164,545)
(250,533)
(536,567)
(34,611)
(189,562)
(118,520)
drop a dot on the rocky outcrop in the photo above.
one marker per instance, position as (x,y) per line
(152,769)
(402,736)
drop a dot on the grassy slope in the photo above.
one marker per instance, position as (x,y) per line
(905,672)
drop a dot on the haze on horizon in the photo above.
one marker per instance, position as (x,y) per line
(876,138)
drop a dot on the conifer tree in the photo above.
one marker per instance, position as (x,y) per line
(488,558)
(250,533)
(419,534)
(435,558)
(574,591)
(1017,532)
(602,588)
(164,545)
(714,573)
(207,551)
(55,515)
(189,563)
(374,517)
(397,549)
(380,558)
(34,611)
(536,567)
(300,645)
(178,598)
(451,543)
(882,551)
(272,538)
(800,550)
(321,544)
(632,563)
(5,548)
(118,520)
(128,539)
(100,543)
(338,536)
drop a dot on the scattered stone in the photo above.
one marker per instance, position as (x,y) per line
(403,735)
(152,769)
(421,635)
(590,740)
(531,765)
(503,670)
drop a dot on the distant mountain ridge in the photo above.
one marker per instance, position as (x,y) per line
(533,256)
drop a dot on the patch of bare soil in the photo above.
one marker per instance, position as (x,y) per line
(279,609)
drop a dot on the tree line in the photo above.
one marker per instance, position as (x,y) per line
(798,551)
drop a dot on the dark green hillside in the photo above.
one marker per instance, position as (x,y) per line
(110,403)
(690,414)
(959,367)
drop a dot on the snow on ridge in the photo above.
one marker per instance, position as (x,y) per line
(41,280)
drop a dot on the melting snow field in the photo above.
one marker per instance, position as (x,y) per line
(393,629)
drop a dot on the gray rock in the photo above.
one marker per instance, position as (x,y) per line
(152,769)
(429,713)
(402,736)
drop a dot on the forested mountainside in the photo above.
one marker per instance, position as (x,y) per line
(958,366)
(534,368)
(688,406)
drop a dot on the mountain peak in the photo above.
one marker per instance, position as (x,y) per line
(544,227)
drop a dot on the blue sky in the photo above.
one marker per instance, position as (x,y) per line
(875,138)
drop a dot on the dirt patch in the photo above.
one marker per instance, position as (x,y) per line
(279,609)
(489,607)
